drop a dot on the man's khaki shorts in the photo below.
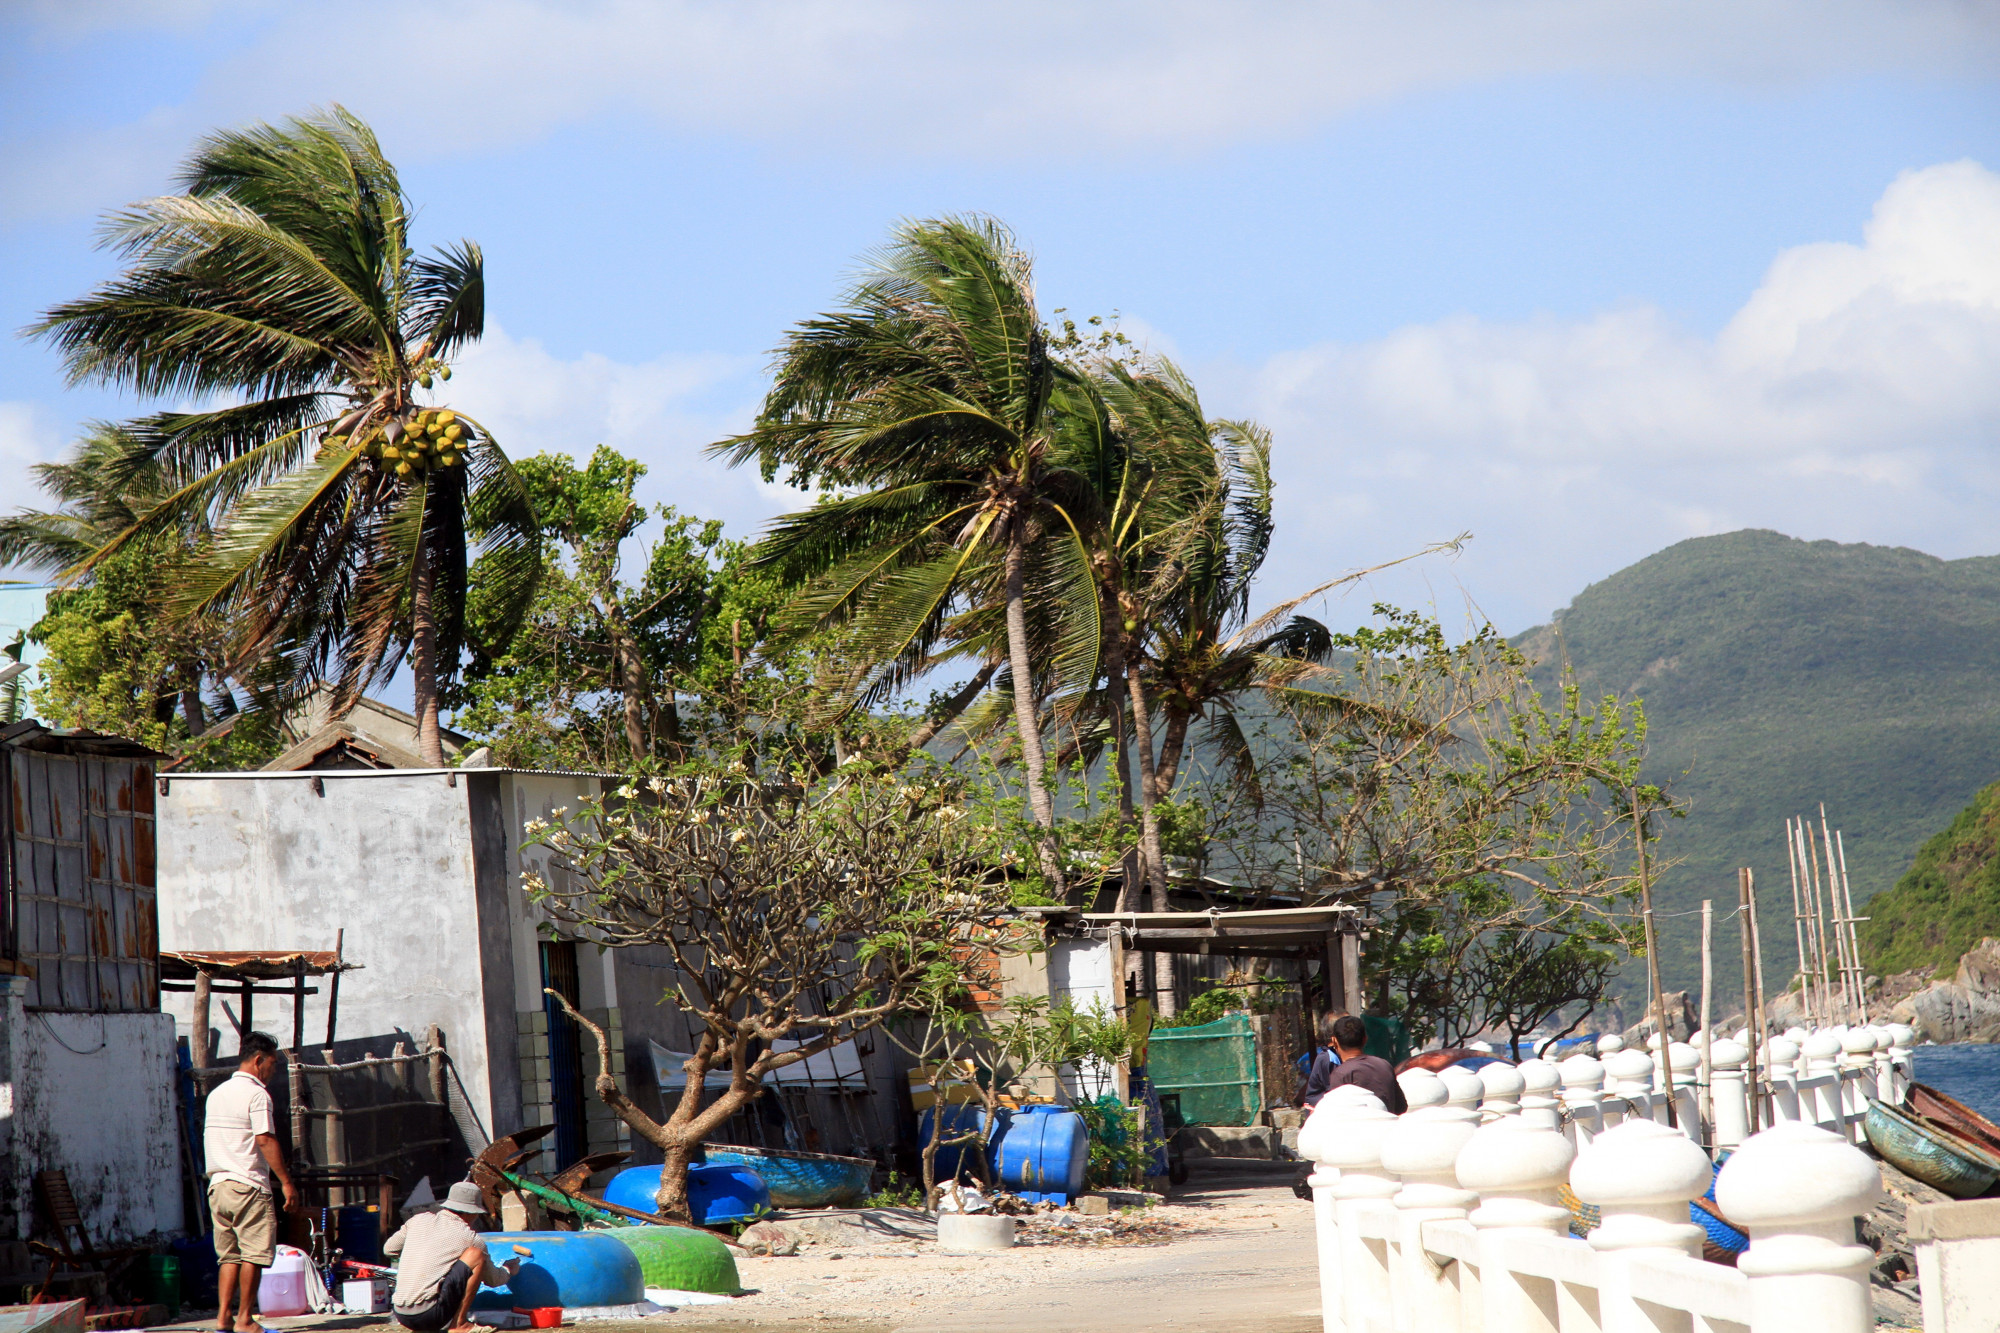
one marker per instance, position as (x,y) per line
(246,1223)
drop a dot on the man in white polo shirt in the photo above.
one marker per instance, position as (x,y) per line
(240,1146)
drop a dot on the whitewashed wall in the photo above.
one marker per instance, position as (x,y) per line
(91,1095)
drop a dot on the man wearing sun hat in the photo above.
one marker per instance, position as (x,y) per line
(441,1264)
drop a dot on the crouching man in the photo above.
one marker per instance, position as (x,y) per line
(441,1264)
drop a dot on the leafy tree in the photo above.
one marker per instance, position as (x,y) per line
(1477,820)
(800,910)
(591,675)
(932,407)
(282,280)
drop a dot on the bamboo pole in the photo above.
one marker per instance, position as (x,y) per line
(198,1043)
(1759,1033)
(1849,1001)
(1853,935)
(1702,1102)
(1653,958)
(1750,983)
(1817,898)
(1798,923)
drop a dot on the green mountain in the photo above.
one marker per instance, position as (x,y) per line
(1947,902)
(1778,674)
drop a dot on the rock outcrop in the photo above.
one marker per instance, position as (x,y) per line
(1966,1008)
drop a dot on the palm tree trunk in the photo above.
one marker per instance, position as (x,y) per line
(424,657)
(191,709)
(1027,720)
(953,706)
(632,683)
(1150,855)
(1171,749)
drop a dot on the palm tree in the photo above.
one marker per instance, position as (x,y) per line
(282,279)
(932,407)
(101,489)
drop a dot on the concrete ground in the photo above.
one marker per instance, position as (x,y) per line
(1231,1251)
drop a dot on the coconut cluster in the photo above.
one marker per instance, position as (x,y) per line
(431,438)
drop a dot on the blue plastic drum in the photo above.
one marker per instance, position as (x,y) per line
(1043,1153)
(573,1269)
(717,1195)
(959,1119)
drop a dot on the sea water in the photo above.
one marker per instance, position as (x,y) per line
(1969,1071)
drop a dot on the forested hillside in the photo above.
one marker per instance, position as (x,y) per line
(1949,899)
(1778,674)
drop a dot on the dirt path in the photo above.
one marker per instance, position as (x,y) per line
(1241,1257)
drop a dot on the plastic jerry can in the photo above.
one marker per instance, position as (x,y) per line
(281,1292)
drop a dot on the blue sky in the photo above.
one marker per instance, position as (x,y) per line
(1581,279)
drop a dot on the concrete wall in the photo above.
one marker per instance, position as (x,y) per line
(262,861)
(92,1095)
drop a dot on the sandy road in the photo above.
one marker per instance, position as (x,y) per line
(1241,1259)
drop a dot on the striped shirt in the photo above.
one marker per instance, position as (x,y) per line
(428,1244)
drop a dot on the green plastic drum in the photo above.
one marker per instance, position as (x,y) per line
(681,1259)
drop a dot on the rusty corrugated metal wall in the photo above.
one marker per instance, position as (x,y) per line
(77,886)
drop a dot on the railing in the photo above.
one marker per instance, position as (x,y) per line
(1449,1217)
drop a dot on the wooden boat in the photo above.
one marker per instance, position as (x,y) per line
(801,1179)
(1928,1103)
(1933,1155)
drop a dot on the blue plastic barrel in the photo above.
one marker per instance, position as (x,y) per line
(358,1232)
(717,1195)
(1042,1154)
(573,1269)
(960,1118)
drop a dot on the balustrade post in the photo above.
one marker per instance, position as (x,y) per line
(1727,1093)
(1796,1190)
(1322,1129)
(1686,1089)
(1421,1088)
(1352,1146)
(1819,1090)
(1538,1103)
(1501,1087)
(1901,1072)
(1422,1149)
(1881,1081)
(1781,1071)
(1629,1075)
(1583,1097)
(1641,1175)
(1462,1088)
(1609,1045)
(1516,1165)
(1857,1079)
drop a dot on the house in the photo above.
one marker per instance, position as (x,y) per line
(371,734)
(86,1057)
(418,873)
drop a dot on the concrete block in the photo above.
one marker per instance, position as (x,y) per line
(535,1069)
(531,1020)
(1969,1219)
(1093,1205)
(1255,1141)
(1285,1117)
(531,1044)
(967,1233)
(1288,1144)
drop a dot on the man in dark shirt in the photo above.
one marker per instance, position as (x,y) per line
(1350,1038)
(1321,1064)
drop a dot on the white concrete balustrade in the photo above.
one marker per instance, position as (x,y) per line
(1447,1219)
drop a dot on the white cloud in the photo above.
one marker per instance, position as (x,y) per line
(27,437)
(1007,80)
(663,412)
(1855,395)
